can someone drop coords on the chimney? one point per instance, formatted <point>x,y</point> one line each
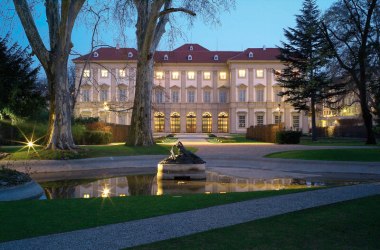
<point>117,46</point>
<point>264,47</point>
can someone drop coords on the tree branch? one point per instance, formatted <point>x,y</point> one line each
<point>171,10</point>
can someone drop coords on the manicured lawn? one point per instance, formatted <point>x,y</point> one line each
<point>348,225</point>
<point>357,154</point>
<point>87,152</point>
<point>336,141</point>
<point>22,219</point>
<point>233,138</point>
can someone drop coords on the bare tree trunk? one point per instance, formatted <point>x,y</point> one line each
<point>141,128</point>
<point>313,120</point>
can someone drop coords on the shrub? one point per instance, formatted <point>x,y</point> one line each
<point>211,135</point>
<point>98,126</point>
<point>11,134</point>
<point>78,131</point>
<point>170,135</point>
<point>288,137</point>
<point>97,137</point>
<point>85,120</point>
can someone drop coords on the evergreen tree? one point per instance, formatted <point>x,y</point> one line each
<point>20,94</point>
<point>305,56</point>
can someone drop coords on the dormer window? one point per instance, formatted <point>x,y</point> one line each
<point>189,58</point>
<point>166,57</point>
<point>130,54</point>
<point>216,58</point>
<point>250,55</point>
<point>191,48</point>
<point>96,54</point>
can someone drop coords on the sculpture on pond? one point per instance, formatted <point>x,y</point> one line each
<point>183,156</point>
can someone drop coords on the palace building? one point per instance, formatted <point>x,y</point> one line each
<point>195,90</point>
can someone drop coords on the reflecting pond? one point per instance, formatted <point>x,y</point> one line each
<point>130,185</point>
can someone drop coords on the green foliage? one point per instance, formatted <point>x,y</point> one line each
<point>97,137</point>
<point>288,137</point>
<point>211,136</point>
<point>20,91</point>
<point>10,177</point>
<point>85,120</point>
<point>11,134</point>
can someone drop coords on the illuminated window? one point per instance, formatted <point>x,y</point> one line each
<point>222,75</point>
<point>191,122</point>
<point>259,73</point>
<point>86,196</point>
<point>121,72</point>
<point>104,73</point>
<point>175,123</point>
<point>223,123</point>
<point>86,73</point>
<point>122,195</point>
<point>159,75</point>
<point>241,73</point>
<point>191,75</point>
<point>206,75</point>
<point>159,122</point>
<point>175,75</point>
<point>206,123</point>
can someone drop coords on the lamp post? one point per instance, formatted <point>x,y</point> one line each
<point>278,113</point>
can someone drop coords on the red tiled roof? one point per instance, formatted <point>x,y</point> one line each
<point>199,54</point>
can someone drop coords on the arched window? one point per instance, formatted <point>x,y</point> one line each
<point>223,122</point>
<point>191,122</point>
<point>175,123</point>
<point>159,122</point>
<point>206,122</point>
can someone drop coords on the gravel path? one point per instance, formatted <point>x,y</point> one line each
<point>144,231</point>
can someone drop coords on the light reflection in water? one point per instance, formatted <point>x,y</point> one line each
<point>151,185</point>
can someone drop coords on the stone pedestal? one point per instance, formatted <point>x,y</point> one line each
<point>179,171</point>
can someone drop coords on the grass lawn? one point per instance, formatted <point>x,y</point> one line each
<point>336,141</point>
<point>233,138</point>
<point>22,219</point>
<point>347,225</point>
<point>343,154</point>
<point>17,153</point>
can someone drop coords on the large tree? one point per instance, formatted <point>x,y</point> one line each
<point>61,16</point>
<point>152,19</point>
<point>351,28</point>
<point>304,56</point>
<point>20,95</point>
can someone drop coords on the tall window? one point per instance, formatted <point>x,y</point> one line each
<point>175,123</point>
<point>206,123</point>
<point>241,73</point>
<point>122,95</point>
<point>207,96</point>
<point>259,73</point>
<point>277,119</point>
<point>121,119</point>
<point>85,95</point>
<point>206,75</point>
<point>103,95</point>
<point>223,96</point>
<point>190,75</point>
<point>241,119</point>
<point>259,120</point>
<point>104,73</point>
<point>222,123</point>
<point>191,122</point>
<point>242,95</point>
<point>296,122</point>
<point>276,93</point>
<point>175,75</point>
<point>159,96</point>
<point>259,95</point>
<point>159,122</point>
<point>175,96</point>
<point>223,75</point>
<point>191,96</point>
<point>86,73</point>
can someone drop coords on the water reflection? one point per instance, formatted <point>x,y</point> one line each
<point>151,185</point>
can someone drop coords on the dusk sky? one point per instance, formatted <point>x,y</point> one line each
<point>253,23</point>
